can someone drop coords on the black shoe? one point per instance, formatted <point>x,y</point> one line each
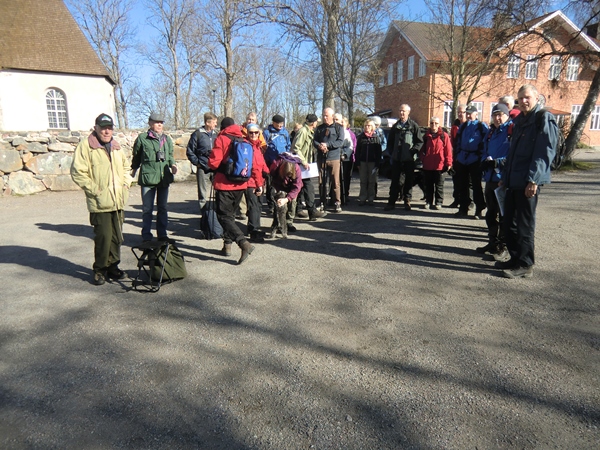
<point>99,278</point>
<point>389,207</point>
<point>316,214</point>
<point>407,206</point>
<point>114,273</point>
<point>461,213</point>
<point>454,204</point>
<point>479,215</point>
<point>489,248</point>
<point>257,237</point>
<point>291,228</point>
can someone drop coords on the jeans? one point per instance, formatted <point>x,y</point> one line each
<point>162,218</point>
<point>403,173</point>
<point>368,180</point>
<point>466,174</point>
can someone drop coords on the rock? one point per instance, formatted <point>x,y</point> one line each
<point>61,147</point>
<point>60,183</point>
<point>75,133</point>
<point>5,146</point>
<point>1,185</point>
<point>184,170</point>
<point>18,141</point>
<point>69,139</point>
<point>26,157</point>
<point>183,140</point>
<point>51,164</point>
<point>42,139</point>
<point>35,147</point>
<point>24,183</point>
<point>179,153</point>
<point>10,161</point>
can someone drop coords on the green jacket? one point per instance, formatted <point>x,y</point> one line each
<point>105,180</point>
<point>153,172</point>
<point>302,145</point>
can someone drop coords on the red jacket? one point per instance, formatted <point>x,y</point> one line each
<point>220,152</point>
<point>436,152</point>
<point>258,161</point>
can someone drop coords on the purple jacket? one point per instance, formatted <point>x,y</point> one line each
<point>289,185</point>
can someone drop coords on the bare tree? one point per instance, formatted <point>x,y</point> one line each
<point>174,57</point>
<point>107,25</point>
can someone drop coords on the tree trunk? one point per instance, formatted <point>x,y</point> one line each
<point>583,116</point>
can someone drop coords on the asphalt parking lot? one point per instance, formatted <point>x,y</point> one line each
<point>363,330</point>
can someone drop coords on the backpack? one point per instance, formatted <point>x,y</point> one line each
<point>238,165</point>
<point>561,148</point>
<point>271,153</point>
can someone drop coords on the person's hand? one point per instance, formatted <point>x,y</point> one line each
<point>306,166</point>
<point>258,191</point>
<point>173,169</point>
<point>530,190</point>
<point>282,201</point>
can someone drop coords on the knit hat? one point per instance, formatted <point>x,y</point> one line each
<point>226,122</point>
<point>278,119</point>
<point>500,107</point>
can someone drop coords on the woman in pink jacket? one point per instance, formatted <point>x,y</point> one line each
<point>436,155</point>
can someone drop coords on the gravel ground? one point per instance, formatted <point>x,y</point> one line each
<point>365,330</point>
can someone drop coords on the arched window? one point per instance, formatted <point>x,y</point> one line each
<point>56,105</point>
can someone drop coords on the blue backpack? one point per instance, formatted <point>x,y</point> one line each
<point>238,165</point>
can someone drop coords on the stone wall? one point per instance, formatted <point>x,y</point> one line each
<point>32,162</point>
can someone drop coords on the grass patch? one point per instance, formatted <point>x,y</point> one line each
<point>577,165</point>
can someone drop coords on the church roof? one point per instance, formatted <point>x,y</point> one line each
<point>42,36</point>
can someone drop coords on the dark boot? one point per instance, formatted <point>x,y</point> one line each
<point>247,249</point>
<point>226,250</point>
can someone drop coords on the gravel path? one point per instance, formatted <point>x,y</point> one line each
<point>366,330</point>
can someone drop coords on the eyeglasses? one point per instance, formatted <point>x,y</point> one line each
<point>434,123</point>
<point>462,112</point>
<point>254,132</point>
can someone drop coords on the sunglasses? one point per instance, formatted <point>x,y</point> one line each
<point>434,123</point>
<point>254,132</point>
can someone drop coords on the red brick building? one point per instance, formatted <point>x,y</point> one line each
<point>413,73</point>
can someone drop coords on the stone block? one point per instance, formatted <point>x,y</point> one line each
<point>26,157</point>
<point>58,163</point>
<point>61,147</point>
<point>184,170</point>
<point>60,183</point>
<point>69,139</point>
<point>24,183</point>
<point>18,141</point>
<point>38,139</point>
<point>179,153</point>
<point>10,161</point>
<point>5,146</point>
<point>183,140</point>
<point>35,147</point>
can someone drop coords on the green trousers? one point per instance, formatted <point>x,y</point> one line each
<point>108,237</point>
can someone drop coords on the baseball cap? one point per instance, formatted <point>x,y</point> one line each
<point>278,118</point>
<point>104,120</point>
<point>500,107</point>
<point>471,109</point>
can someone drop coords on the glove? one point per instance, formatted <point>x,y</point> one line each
<point>451,171</point>
<point>488,164</point>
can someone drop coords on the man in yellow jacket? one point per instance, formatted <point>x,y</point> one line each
<point>101,168</point>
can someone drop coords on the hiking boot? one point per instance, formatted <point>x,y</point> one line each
<point>519,272</point>
<point>505,265</point>
<point>479,215</point>
<point>436,207</point>
<point>389,207</point>
<point>99,278</point>
<point>302,214</point>
<point>454,204</point>
<point>247,249</point>
<point>461,213</point>
<point>426,206</point>
<point>226,250</point>
<point>489,248</point>
<point>114,273</point>
<point>501,255</point>
<point>257,237</point>
<point>291,228</point>
<point>407,206</point>
<point>338,207</point>
<point>316,215</point>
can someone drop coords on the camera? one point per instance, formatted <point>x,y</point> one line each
<point>160,155</point>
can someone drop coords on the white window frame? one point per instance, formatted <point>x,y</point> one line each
<point>382,81</point>
<point>411,68</point>
<point>573,64</point>
<point>575,110</point>
<point>555,68</point>
<point>595,122</point>
<point>513,65</point>
<point>56,109</point>
<point>400,73</point>
<point>479,106</point>
<point>448,119</point>
<point>531,67</point>
<point>422,67</point>
<point>390,74</point>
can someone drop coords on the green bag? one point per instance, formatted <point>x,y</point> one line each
<point>174,265</point>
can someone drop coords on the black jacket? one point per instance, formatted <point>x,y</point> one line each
<point>333,136</point>
<point>405,141</point>
<point>199,148</point>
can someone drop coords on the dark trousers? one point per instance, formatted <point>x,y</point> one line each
<point>307,194</point>
<point>434,186</point>
<point>346,168</point>
<point>466,174</point>
<point>493,218</point>
<point>108,237</point>
<point>254,210</point>
<point>227,203</point>
<point>403,173</point>
<point>519,226</point>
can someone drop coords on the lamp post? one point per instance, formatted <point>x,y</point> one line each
<point>213,88</point>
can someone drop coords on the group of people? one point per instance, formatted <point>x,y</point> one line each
<point>512,156</point>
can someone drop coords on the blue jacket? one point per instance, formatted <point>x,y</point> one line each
<point>532,149</point>
<point>278,142</point>
<point>470,138</point>
<point>496,145</point>
<point>199,147</point>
